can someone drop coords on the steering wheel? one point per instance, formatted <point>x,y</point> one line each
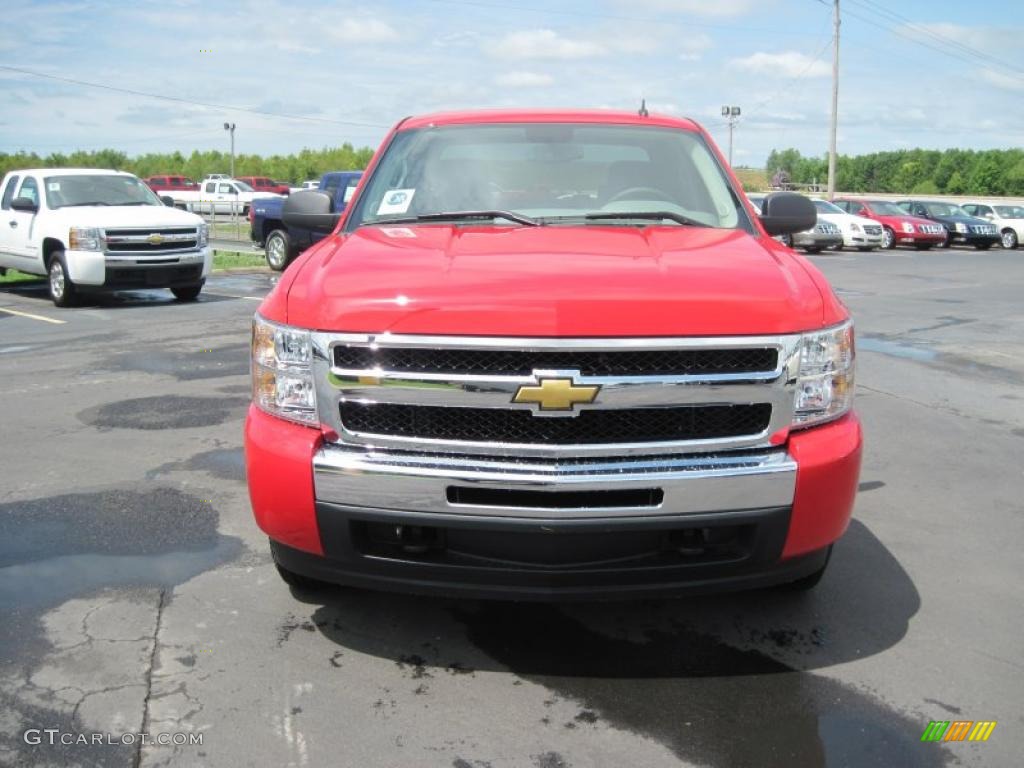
<point>639,193</point>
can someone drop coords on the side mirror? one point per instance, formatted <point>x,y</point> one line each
<point>784,213</point>
<point>25,204</point>
<point>167,200</point>
<point>310,210</point>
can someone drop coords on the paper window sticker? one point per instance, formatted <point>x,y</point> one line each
<point>349,192</point>
<point>395,201</point>
<point>53,186</point>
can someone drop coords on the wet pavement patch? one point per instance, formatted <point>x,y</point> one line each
<point>870,485</point>
<point>706,701</point>
<point>163,412</point>
<point>200,362</point>
<point>222,463</point>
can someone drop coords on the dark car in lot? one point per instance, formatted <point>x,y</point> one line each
<point>899,227</point>
<point>961,227</point>
<point>284,243</point>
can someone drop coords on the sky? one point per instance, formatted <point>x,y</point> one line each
<point>913,73</point>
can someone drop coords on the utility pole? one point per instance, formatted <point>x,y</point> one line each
<point>835,102</point>
<point>230,127</point>
<point>731,115</point>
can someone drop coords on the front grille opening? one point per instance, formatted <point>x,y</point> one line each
<point>507,497</point>
<point>513,362</point>
<point>590,427</point>
<point>586,550</point>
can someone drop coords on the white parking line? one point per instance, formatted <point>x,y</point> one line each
<point>33,317</point>
<point>231,296</point>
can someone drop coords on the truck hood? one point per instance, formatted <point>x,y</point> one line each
<point>554,281</point>
<point>118,216</point>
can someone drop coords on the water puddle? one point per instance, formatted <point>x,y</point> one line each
<point>896,349</point>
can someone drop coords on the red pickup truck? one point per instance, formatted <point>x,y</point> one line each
<point>552,354</point>
<point>266,184</point>
<point>170,183</point>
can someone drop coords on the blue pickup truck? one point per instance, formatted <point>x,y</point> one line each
<point>284,243</point>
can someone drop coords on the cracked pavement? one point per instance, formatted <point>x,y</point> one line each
<point>138,595</point>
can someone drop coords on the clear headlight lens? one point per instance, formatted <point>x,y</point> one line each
<point>908,227</point>
<point>282,375</point>
<point>204,235</point>
<point>961,227</point>
<point>85,239</point>
<point>825,375</point>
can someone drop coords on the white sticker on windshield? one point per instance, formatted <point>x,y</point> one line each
<point>395,201</point>
<point>53,186</point>
<point>351,190</point>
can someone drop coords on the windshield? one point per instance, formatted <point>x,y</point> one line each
<point>885,208</point>
<point>945,209</point>
<point>1010,211</point>
<point>824,206</point>
<point>243,187</point>
<point>549,172</point>
<point>98,189</point>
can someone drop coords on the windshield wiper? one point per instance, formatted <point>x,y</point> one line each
<point>79,205</point>
<point>678,218</point>
<point>518,218</point>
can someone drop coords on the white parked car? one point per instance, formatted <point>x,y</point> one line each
<point>858,232</point>
<point>217,196</point>
<point>96,230</point>
<point>306,185</point>
<point>1009,220</point>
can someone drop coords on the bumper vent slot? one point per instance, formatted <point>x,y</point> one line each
<point>504,497</point>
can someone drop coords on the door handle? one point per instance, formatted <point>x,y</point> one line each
<point>13,223</point>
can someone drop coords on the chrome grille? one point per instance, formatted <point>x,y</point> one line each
<point>827,228</point>
<point>151,240</point>
<point>982,229</point>
<point>872,229</point>
<point>931,229</point>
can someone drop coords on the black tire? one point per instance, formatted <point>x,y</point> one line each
<point>300,582</point>
<point>1009,239</point>
<point>787,240</point>
<point>923,246</point>
<point>866,248</point>
<point>947,242</point>
<point>888,239</point>
<point>809,582</point>
<point>62,290</point>
<point>278,248</point>
<point>983,246</point>
<point>187,292</point>
<point>813,249</point>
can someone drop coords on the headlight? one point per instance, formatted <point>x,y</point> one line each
<point>854,226</point>
<point>961,227</point>
<point>908,227</point>
<point>282,375</point>
<point>825,375</point>
<point>204,235</point>
<point>85,239</point>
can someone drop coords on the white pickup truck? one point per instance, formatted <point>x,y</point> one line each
<point>217,196</point>
<point>98,230</point>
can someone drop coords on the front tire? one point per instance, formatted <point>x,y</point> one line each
<point>982,246</point>
<point>62,290</point>
<point>187,292</point>
<point>1009,239</point>
<point>278,248</point>
<point>888,239</point>
<point>924,246</point>
<point>813,249</point>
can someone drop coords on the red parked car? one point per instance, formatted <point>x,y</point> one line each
<point>549,354</point>
<point>899,227</point>
<point>170,183</point>
<point>266,184</point>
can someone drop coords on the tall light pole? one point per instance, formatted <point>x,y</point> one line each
<point>731,115</point>
<point>835,102</point>
<point>230,128</point>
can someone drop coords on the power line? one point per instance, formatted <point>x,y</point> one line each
<point>178,100</point>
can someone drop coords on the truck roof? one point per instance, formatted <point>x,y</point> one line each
<point>73,171</point>
<point>607,116</point>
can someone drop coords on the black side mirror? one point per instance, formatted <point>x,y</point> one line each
<point>25,204</point>
<point>310,210</point>
<point>167,200</point>
<point>784,213</point>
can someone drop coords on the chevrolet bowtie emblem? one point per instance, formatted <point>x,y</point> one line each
<point>155,239</point>
<point>556,394</point>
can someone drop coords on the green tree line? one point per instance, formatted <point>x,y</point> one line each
<point>917,171</point>
<point>294,168</point>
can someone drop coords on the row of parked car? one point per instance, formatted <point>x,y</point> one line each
<point>867,223</point>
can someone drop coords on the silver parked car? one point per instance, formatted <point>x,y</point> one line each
<point>824,235</point>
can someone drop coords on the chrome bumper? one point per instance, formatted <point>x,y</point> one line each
<point>357,476</point>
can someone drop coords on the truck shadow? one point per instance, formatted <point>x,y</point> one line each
<point>720,680</point>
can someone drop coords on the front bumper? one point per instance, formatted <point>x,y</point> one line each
<point>105,271</point>
<point>971,238</point>
<point>816,240</point>
<point>551,529</point>
<point>862,240</point>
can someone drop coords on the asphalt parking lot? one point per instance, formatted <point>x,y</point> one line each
<point>138,595</point>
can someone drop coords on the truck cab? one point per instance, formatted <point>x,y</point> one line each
<point>282,242</point>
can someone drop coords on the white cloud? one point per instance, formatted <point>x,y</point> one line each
<point>785,64</point>
<point>718,8</point>
<point>363,31</point>
<point>523,80</point>
<point>1002,80</point>
<point>543,44</point>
